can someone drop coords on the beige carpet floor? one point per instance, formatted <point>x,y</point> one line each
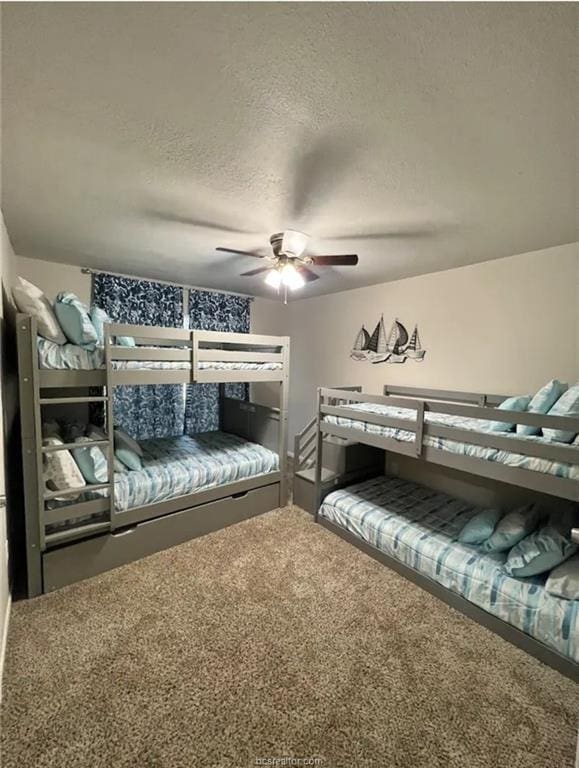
<point>272,638</point>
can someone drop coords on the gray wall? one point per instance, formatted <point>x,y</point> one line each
<point>505,326</point>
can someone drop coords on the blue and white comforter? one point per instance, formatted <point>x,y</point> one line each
<point>419,527</point>
<point>175,466</point>
<point>546,466</point>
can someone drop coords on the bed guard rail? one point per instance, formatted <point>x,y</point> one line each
<point>304,441</point>
<point>261,357</point>
<point>192,355</point>
<point>420,426</point>
<point>349,422</point>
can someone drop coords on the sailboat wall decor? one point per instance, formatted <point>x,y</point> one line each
<point>396,348</point>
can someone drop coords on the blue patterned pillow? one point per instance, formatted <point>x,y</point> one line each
<point>566,405</point>
<point>99,317</point>
<point>519,403</point>
<point>480,527</point>
<point>75,321</point>
<point>512,528</point>
<point>539,552</point>
<point>545,398</point>
<point>91,461</point>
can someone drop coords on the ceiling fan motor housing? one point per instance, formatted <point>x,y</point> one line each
<point>276,241</point>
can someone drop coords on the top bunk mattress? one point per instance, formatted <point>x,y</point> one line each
<point>419,527</point>
<point>501,456</point>
<point>70,357</point>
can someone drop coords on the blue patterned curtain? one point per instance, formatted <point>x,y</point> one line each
<point>150,410</point>
<point>210,311</point>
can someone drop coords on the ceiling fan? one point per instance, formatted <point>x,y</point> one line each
<point>288,266</point>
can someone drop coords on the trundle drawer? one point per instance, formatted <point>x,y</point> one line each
<point>90,557</point>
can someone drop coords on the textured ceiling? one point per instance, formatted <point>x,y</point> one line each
<point>444,132</point>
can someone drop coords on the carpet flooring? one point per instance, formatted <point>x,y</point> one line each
<point>270,639</point>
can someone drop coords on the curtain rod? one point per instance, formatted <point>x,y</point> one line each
<point>90,271</point>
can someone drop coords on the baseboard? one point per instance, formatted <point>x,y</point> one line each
<point>4,641</point>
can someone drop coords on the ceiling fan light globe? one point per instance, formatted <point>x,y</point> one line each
<point>291,278</point>
<point>274,279</point>
<point>293,242</point>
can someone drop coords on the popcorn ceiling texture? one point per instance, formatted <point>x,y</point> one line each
<point>271,638</point>
<point>445,131</point>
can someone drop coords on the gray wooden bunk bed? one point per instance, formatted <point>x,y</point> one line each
<point>67,543</point>
<point>422,436</point>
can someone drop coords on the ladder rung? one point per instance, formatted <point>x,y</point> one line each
<point>70,491</point>
<point>73,511</point>
<point>71,446</point>
<point>78,532</point>
<point>64,400</point>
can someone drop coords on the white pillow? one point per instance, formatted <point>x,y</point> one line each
<point>61,470</point>
<point>30,300</point>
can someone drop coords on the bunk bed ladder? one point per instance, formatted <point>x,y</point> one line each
<point>84,507</point>
<point>38,510</point>
<point>305,447</point>
<point>305,441</point>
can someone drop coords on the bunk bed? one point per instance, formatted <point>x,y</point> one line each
<point>187,485</point>
<point>413,529</point>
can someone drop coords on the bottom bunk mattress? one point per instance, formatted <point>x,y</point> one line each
<point>419,527</point>
<point>176,466</point>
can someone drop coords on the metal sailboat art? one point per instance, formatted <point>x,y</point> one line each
<point>360,345</point>
<point>414,349</point>
<point>396,348</point>
<point>397,341</point>
<point>370,347</point>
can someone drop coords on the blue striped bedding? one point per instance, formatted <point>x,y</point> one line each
<point>512,459</point>
<point>62,357</point>
<point>419,527</point>
<point>175,466</point>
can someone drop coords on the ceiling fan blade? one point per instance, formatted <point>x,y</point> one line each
<point>319,165</point>
<point>240,253</point>
<point>307,274</point>
<point>345,260</point>
<point>169,217</point>
<point>417,231</point>
<point>253,272</point>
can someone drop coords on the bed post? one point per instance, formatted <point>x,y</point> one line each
<point>220,404</point>
<point>319,451</point>
<point>31,432</point>
<point>109,403</point>
<point>194,355</point>
<point>283,408</point>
